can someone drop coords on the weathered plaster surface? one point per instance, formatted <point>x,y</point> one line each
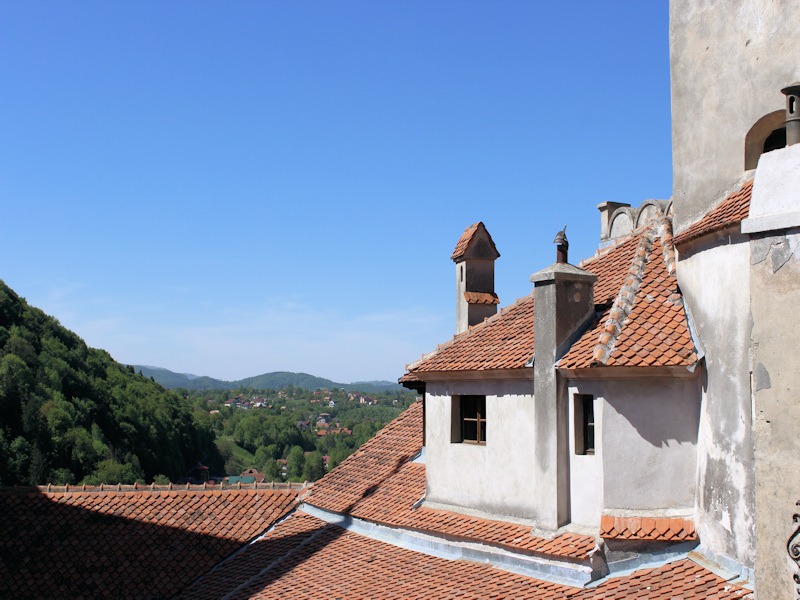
<point>496,478</point>
<point>586,471</point>
<point>713,276</point>
<point>650,461</point>
<point>775,203</point>
<point>728,61</point>
<point>775,289</point>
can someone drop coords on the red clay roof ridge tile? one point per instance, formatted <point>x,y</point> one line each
<point>623,304</point>
<point>463,242</point>
<point>116,489</point>
<point>673,529</point>
<point>732,210</point>
<point>667,243</point>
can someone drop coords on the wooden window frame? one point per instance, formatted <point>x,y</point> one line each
<point>468,409</point>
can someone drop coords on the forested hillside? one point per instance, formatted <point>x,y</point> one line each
<point>71,414</point>
<point>274,380</point>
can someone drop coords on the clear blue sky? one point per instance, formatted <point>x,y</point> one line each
<point>233,188</point>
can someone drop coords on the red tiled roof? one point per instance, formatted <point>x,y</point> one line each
<point>654,333</point>
<point>466,238</point>
<point>125,544</point>
<point>304,557</point>
<point>734,209</point>
<point>378,484</point>
<point>679,579</point>
<point>675,529</point>
<point>504,341</point>
<point>481,298</point>
<point>326,561</point>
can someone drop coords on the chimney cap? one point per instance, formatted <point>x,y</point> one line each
<point>792,89</point>
<point>561,237</point>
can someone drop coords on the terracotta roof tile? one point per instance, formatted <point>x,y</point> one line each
<point>732,210</point>
<point>481,298</point>
<point>125,544</point>
<point>304,557</point>
<point>504,341</point>
<point>466,238</point>
<point>648,328</point>
<point>656,529</point>
<point>378,484</point>
<point>653,305</point>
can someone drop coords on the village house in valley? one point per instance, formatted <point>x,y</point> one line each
<point>629,429</point>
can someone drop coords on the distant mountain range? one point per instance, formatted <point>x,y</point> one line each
<point>276,380</point>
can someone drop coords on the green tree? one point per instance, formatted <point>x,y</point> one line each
<point>272,471</point>
<point>314,467</point>
<point>295,462</point>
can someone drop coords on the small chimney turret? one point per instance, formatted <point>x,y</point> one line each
<point>792,93</point>
<point>474,256</point>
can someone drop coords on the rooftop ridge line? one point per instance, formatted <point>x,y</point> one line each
<point>623,304</point>
<point>50,489</point>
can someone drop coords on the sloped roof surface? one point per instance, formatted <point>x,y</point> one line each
<point>378,484</point>
<point>654,332</point>
<point>466,239</point>
<point>325,561</point>
<point>125,544</point>
<point>504,341</point>
<point>304,557</point>
<point>734,209</point>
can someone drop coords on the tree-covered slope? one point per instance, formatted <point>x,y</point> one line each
<point>71,414</point>
<point>275,380</point>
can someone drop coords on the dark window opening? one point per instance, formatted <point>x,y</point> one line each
<point>469,423</point>
<point>584,424</point>
<point>775,140</point>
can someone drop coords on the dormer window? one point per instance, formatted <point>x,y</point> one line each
<point>469,419</point>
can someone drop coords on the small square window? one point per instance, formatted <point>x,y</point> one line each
<point>469,419</point>
<point>584,423</point>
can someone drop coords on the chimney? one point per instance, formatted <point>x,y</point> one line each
<point>562,247</point>
<point>606,210</point>
<point>792,93</point>
<point>474,256</point>
<point>563,309</point>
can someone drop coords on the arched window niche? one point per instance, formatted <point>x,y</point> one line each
<point>768,133</point>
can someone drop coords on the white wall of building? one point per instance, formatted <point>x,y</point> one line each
<point>495,478</point>
<point>645,457</point>
<point>713,274</point>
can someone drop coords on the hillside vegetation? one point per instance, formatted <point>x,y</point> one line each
<point>71,414</point>
<point>274,380</point>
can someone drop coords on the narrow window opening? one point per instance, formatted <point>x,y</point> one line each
<point>792,104</point>
<point>469,419</point>
<point>584,424</point>
<point>462,273</point>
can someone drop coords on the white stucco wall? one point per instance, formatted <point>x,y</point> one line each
<point>650,443</point>
<point>645,448</point>
<point>586,471</point>
<point>713,274</point>
<point>495,478</point>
